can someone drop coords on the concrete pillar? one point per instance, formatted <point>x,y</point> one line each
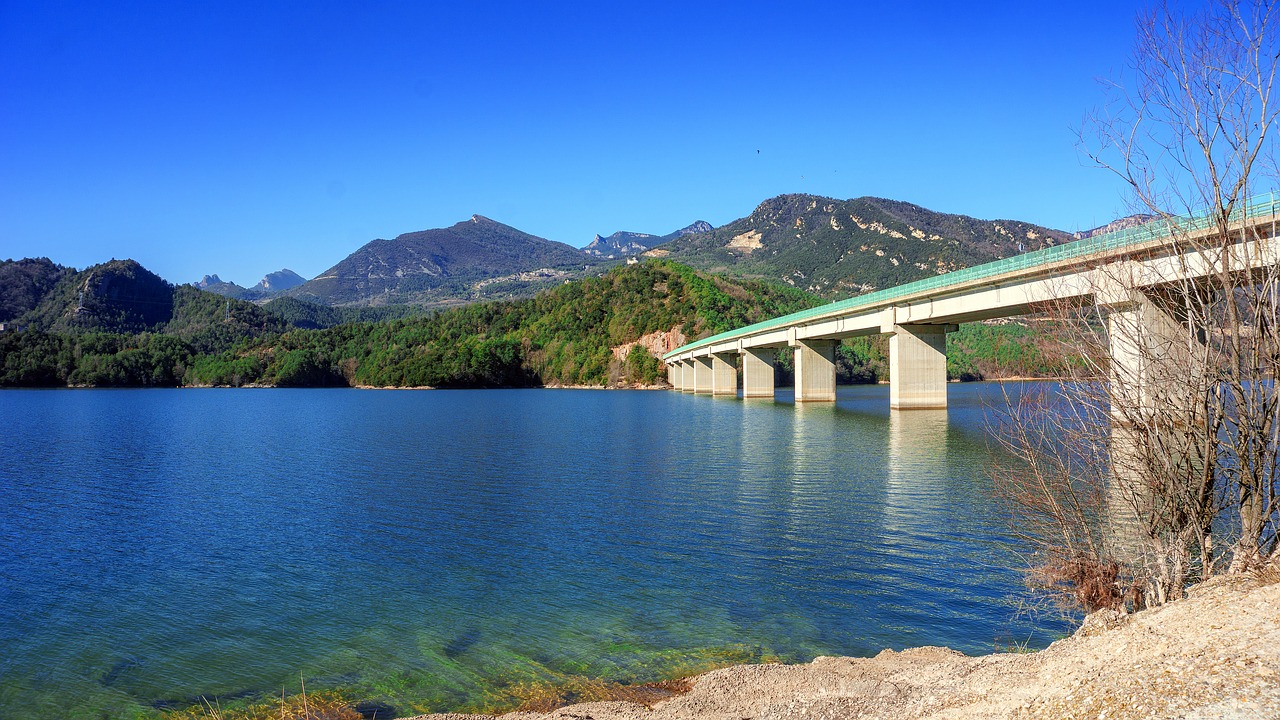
<point>1128,371</point>
<point>702,375</point>
<point>757,372</point>
<point>1154,361</point>
<point>686,376</point>
<point>1157,392</point>
<point>918,367</point>
<point>724,374</point>
<point>815,366</point>
<point>674,372</point>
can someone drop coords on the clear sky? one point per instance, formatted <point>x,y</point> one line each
<point>238,138</point>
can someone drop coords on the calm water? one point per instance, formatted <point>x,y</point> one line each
<point>432,550</point>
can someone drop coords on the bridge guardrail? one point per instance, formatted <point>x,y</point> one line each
<point>1260,206</point>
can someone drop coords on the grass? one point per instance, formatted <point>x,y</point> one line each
<point>319,706</point>
<point>1015,646</point>
<point>1268,574</point>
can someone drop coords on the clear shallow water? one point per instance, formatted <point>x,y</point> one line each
<point>433,550</point>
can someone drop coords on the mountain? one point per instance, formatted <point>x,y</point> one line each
<point>624,244</point>
<point>121,296</point>
<point>115,296</point>
<point>268,287</point>
<point>215,284</point>
<point>1123,223</point>
<point>24,283</point>
<point>697,227</point>
<point>278,282</point>
<point>471,260</point>
<point>837,248</point>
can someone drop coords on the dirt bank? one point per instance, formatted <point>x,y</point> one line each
<point>1215,654</point>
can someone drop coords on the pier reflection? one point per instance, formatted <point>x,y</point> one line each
<point>757,456</point>
<point>816,437</point>
<point>916,475</point>
<point>813,435</point>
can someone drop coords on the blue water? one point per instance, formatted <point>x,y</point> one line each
<point>433,550</point>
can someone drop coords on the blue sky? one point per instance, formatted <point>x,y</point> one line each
<point>240,138</point>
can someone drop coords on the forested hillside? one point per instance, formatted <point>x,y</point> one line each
<point>310,316</point>
<point>565,335</point>
<point>24,283</point>
<point>118,325</point>
<point>122,297</point>
<point>562,336</point>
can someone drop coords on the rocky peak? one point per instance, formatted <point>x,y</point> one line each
<point>697,227</point>
<point>788,207</point>
<point>279,281</point>
<point>1123,223</point>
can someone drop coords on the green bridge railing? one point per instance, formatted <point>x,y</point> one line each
<point>1260,206</point>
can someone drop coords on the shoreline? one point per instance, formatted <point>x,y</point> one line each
<point>1213,654</point>
<point>552,386</point>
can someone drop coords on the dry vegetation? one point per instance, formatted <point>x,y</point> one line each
<point>1158,464</point>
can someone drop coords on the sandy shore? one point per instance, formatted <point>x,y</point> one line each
<point>1215,654</point>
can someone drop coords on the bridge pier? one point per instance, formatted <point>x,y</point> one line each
<point>918,366</point>
<point>724,373</point>
<point>1157,393</point>
<point>675,373</point>
<point>686,376</point>
<point>815,366</point>
<point>1154,358</point>
<point>757,372</point>
<point>702,375</point>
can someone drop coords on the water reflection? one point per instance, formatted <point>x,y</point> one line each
<point>917,473</point>
<point>1123,494</point>
<point>757,459</point>
<point>816,439</point>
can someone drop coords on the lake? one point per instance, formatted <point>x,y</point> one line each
<point>433,550</point>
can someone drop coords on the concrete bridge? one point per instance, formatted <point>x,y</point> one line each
<point>1122,272</point>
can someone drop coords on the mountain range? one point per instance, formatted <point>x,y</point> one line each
<point>272,285</point>
<point>831,248</point>
<point>623,244</point>
<point>837,248</point>
<point>118,324</point>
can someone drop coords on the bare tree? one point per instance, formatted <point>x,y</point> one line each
<point>1180,344</point>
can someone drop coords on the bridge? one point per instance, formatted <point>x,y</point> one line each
<point>1122,272</point>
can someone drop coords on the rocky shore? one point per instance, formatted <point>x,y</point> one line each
<point>1215,654</point>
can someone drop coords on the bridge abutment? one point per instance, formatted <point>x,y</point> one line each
<point>918,366</point>
<point>757,372</point>
<point>724,373</point>
<point>815,366</point>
